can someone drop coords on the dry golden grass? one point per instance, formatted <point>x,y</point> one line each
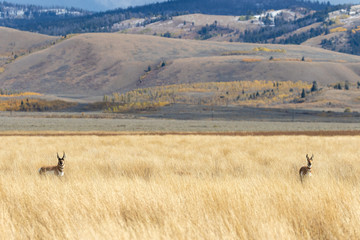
<point>234,53</point>
<point>265,49</point>
<point>338,29</point>
<point>180,187</point>
<point>251,60</point>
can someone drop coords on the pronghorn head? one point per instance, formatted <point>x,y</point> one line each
<point>61,161</point>
<point>309,160</point>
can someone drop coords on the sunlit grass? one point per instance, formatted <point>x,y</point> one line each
<point>180,187</point>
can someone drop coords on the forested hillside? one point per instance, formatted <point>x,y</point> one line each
<point>257,21</point>
<point>36,19</point>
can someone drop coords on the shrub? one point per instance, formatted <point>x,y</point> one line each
<point>167,35</point>
<point>303,93</point>
<point>338,86</point>
<point>314,87</point>
<point>347,110</point>
<point>347,87</point>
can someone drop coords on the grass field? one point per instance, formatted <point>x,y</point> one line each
<point>180,187</point>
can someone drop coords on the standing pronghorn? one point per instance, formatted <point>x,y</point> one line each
<point>306,170</point>
<point>57,170</point>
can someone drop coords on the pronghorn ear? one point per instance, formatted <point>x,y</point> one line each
<point>57,154</point>
<point>63,155</point>
<point>307,157</point>
<point>312,156</point>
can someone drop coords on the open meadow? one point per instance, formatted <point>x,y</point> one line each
<point>180,187</point>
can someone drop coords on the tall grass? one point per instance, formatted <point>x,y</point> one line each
<point>180,187</point>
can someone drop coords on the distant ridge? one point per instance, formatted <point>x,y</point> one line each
<point>78,21</point>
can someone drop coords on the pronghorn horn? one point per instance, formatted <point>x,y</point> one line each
<point>307,156</point>
<point>57,154</point>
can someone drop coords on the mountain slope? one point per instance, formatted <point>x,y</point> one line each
<point>91,65</point>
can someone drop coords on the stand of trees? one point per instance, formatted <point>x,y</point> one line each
<point>354,43</point>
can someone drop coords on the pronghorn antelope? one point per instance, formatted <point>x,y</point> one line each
<point>57,170</point>
<point>306,170</point>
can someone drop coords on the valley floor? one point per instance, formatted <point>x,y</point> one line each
<point>28,123</point>
<point>180,118</point>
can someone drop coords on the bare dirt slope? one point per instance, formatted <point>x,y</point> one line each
<point>91,65</point>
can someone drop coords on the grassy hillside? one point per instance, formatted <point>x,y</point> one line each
<point>192,187</point>
<point>91,65</point>
<point>14,43</point>
<point>230,68</point>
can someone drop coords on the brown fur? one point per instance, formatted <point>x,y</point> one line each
<point>58,170</point>
<point>306,170</point>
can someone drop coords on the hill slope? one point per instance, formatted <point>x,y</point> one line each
<point>14,42</point>
<point>95,64</point>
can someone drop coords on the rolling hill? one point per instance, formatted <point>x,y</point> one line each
<point>13,40</point>
<point>14,43</point>
<point>88,66</point>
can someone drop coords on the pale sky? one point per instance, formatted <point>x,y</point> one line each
<point>101,5</point>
